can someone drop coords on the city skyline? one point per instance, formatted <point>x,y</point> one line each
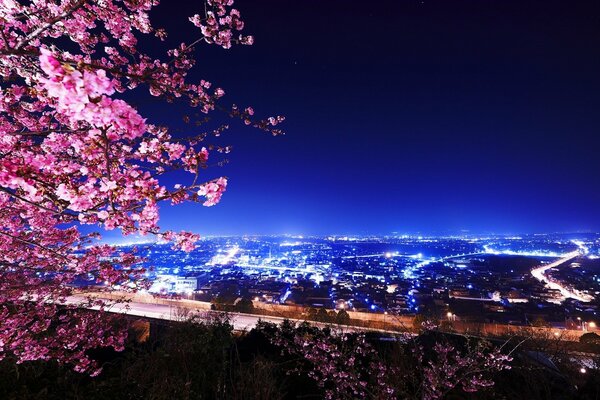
<point>119,240</point>
<point>389,274</point>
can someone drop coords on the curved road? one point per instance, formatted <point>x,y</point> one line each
<point>538,273</point>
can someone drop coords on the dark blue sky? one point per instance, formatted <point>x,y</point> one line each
<point>406,116</point>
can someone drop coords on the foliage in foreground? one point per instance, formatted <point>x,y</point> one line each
<point>199,359</point>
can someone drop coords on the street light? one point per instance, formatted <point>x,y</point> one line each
<point>592,325</point>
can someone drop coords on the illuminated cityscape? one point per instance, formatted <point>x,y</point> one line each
<point>284,200</point>
<point>508,280</point>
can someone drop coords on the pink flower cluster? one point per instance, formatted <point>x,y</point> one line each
<point>213,191</point>
<point>73,153</point>
<point>82,97</point>
<point>219,24</point>
<point>452,368</point>
<point>185,241</point>
<point>341,364</point>
<point>346,365</point>
<point>267,125</point>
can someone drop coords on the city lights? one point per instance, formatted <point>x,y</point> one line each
<point>408,276</point>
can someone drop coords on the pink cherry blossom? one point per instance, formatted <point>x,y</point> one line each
<point>74,152</point>
<point>213,191</point>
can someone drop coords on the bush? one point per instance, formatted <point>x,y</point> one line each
<point>590,338</point>
<point>204,359</point>
<point>343,318</point>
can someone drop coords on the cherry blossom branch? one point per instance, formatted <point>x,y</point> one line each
<point>49,24</point>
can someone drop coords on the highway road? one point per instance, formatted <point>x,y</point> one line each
<point>172,311</point>
<point>538,273</point>
<point>240,322</point>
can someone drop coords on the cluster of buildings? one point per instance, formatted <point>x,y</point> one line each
<point>482,279</point>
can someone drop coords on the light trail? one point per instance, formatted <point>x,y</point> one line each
<point>480,253</point>
<point>535,253</point>
<point>276,268</point>
<point>224,259</point>
<point>538,273</point>
<point>379,255</point>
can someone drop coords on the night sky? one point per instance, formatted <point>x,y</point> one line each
<point>403,116</point>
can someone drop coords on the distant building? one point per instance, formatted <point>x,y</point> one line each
<point>174,284</point>
<point>186,284</point>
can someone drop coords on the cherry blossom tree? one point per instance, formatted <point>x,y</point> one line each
<point>73,152</point>
<point>451,368</point>
<point>347,366</point>
<point>344,365</point>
